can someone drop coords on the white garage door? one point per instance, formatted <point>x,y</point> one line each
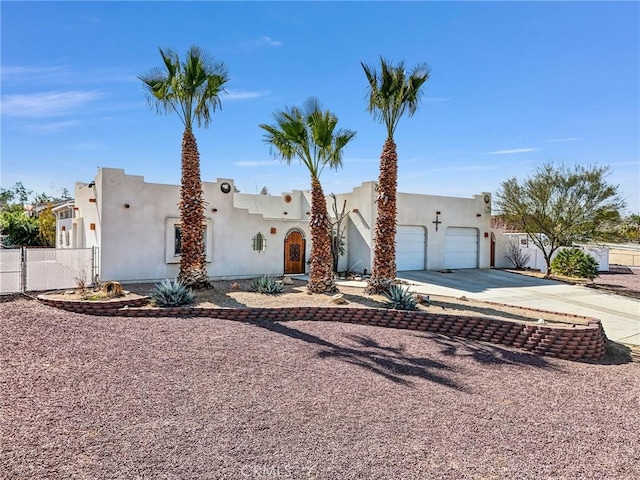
<point>410,248</point>
<point>461,248</point>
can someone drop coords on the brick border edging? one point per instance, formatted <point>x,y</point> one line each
<point>581,342</point>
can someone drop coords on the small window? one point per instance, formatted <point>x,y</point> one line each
<point>259,242</point>
<point>177,243</point>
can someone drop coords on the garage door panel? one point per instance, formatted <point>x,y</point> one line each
<point>461,248</point>
<point>410,248</point>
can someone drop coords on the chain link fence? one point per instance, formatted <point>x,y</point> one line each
<point>38,269</point>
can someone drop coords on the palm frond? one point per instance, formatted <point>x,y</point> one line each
<point>191,88</point>
<point>392,92</point>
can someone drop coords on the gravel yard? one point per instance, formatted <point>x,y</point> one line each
<point>88,397</point>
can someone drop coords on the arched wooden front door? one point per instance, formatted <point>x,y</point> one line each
<point>294,252</point>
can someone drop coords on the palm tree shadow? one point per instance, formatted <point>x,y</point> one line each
<point>484,310</point>
<point>389,362</point>
<point>486,353</point>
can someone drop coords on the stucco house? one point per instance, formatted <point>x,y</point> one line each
<point>136,227</point>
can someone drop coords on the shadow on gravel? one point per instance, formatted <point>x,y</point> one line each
<point>487,354</point>
<point>482,310</point>
<point>388,362</point>
<point>617,354</point>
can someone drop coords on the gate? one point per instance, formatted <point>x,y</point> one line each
<point>37,269</point>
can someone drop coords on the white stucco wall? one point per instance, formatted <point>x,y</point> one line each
<point>416,210</point>
<point>134,241</point>
<point>132,223</point>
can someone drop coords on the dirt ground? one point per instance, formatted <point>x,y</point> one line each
<point>89,397</point>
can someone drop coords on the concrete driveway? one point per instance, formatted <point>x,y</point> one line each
<point>620,316</point>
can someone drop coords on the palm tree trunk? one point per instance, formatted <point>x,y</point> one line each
<point>193,267</point>
<point>383,272</point>
<point>321,278</point>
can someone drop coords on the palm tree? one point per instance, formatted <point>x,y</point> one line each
<point>392,92</point>
<point>192,89</point>
<point>310,134</point>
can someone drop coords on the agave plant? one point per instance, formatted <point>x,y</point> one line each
<point>172,293</point>
<point>266,284</point>
<point>400,298</point>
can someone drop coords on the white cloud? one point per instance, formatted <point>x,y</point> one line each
<point>22,74</point>
<point>51,127</point>
<point>46,104</point>
<point>244,95</point>
<point>270,42</point>
<point>515,150</point>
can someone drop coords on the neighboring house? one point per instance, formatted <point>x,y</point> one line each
<point>136,226</point>
<point>64,213</point>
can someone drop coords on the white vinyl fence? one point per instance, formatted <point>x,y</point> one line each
<point>537,261</point>
<point>38,269</point>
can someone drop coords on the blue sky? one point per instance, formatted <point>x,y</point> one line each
<point>513,85</point>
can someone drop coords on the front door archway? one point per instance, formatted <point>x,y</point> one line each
<point>294,248</point>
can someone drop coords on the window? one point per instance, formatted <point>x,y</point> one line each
<point>259,242</point>
<point>177,239</point>
<point>173,240</point>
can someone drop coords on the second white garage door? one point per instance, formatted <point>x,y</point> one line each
<point>410,248</point>
<point>461,248</point>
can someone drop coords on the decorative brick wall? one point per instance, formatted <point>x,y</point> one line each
<point>580,342</point>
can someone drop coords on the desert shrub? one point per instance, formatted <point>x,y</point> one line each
<point>267,285</point>
<point>515,255</point>
<point>573,262</point>
<point>400,298</point>
<point>172,293</point>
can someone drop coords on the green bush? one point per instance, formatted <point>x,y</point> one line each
<point>573,262</point>
<point>400,298</point>
<point>266,284</point>
<point>172,294</point>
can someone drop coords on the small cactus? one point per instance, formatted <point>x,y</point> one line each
<point>267,285</point>
<point>172,293</point>
<point>400,298</point>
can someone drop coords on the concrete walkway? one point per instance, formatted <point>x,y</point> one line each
<point>620,315</point>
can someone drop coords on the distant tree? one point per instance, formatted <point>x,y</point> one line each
<point>310,134</point>
<point>557,206</point>
<point>630,228</point>
<point>192,90</point>
<point>393,92</point>
<point>47,227</point>
<point>264,191</point>
<point>19,229</point>
<point>14,198</point>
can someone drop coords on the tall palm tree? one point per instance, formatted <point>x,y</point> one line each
<point>192,89</point>
<point>392,93</point>
<point>309,134</point>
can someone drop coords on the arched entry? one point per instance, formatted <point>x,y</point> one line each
<point>493,250</point>
<point>294,248</point>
